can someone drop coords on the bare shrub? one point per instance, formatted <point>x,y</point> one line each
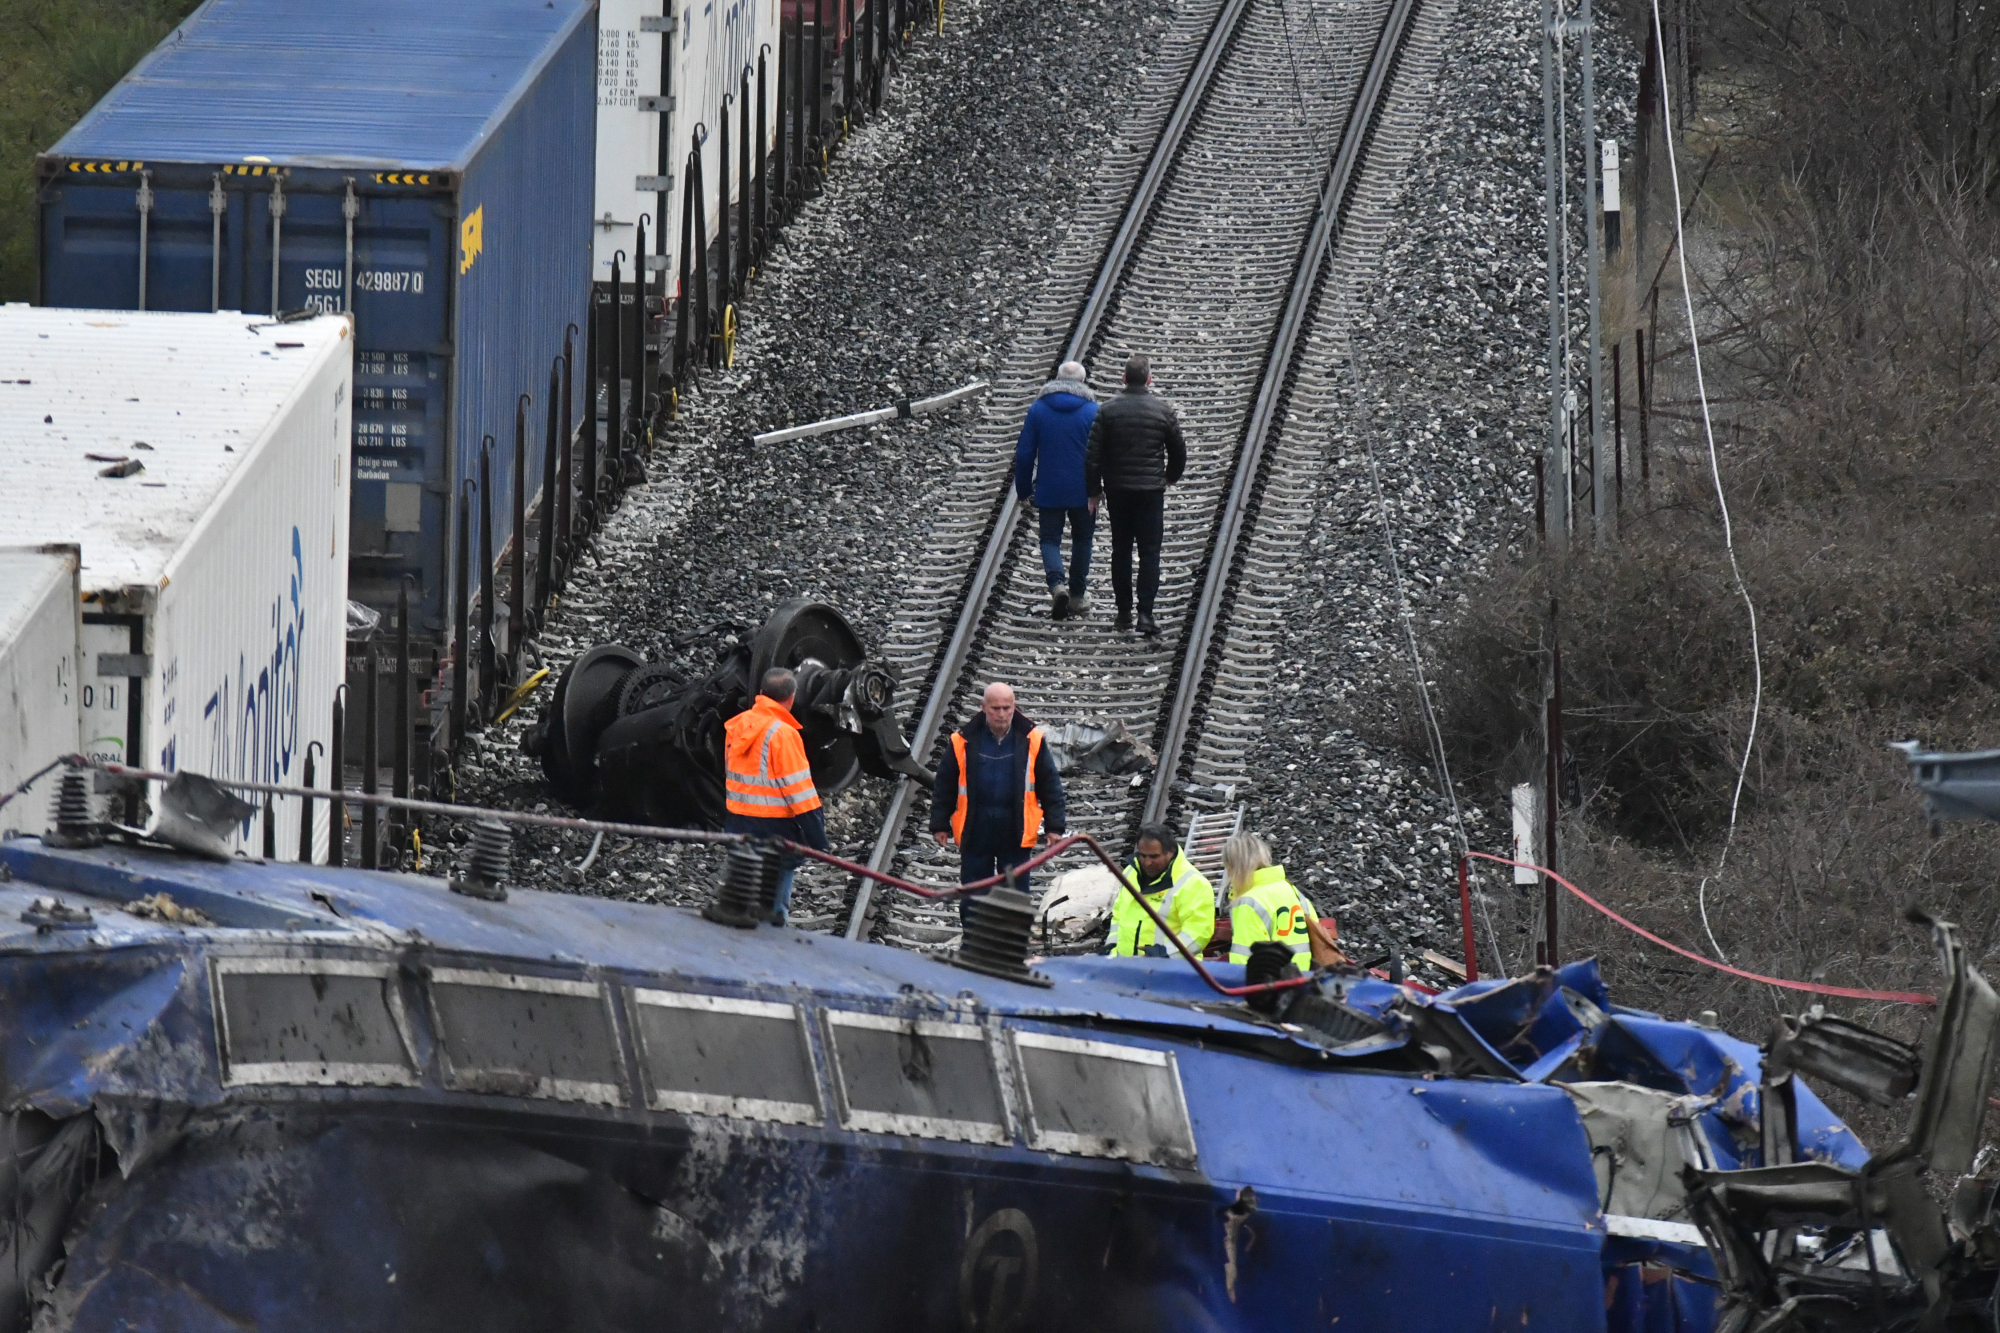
<point>1849,280</point>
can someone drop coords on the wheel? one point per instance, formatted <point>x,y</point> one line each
<point>799,630</point>
<point>797,633</point>
<point>835,760</point>
<point>646,687</point>
<point>584,705</point>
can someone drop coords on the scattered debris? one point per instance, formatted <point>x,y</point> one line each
<point>1454,970</point>
<point>1098,746</point>
<point>47,914</point>
<point>198,816</point>
<point>1076,910</point>
<point>161,907</point>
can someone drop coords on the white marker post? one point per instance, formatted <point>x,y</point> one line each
<point>906,408</point>
<point>1611,206</point>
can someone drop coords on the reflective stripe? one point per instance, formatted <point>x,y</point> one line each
<point>760,793</point>
<point>1031,805</point>
<point>1295,940</point>
<point>964,801</point>
<point>1144,926</point>
<point>752,798</point>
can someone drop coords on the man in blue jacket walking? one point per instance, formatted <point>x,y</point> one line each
<point>1048,463</point>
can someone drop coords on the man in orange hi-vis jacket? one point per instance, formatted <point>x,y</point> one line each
<point>770,786</point>
<point>1009,797</point>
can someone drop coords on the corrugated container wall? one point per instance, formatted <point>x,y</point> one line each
<point>428,167</point>
<point>646,123</point>
<point>39,627</point>
<point>214,575</point>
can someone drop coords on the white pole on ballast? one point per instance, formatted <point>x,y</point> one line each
<point>905,408</point>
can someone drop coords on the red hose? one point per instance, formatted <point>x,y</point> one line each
<point>1848,992</point>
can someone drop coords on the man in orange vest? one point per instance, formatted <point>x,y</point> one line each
<point>770,786</point>
<point>997,793</point>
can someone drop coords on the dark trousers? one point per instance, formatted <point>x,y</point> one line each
<point>984,865</point>
<point>1137,518</point>
<point>1082,527</point>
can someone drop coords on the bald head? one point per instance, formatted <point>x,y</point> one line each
<point>998,705</point>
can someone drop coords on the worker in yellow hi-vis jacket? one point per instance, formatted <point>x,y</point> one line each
<point>1172,887</point>
<point>1263,905</point>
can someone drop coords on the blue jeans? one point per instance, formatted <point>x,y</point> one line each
<point>1082,526</point>
<point>985,865</point>
<point>784,900</point>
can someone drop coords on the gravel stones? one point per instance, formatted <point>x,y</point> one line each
<point>907,276</point>
<point>911,274</point>
<point>1447,390</point>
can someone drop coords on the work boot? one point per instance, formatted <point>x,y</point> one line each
<point>1060,595</point>
<point>1079,604</point>
<point>1148,626</point>
<point>1124,617</point>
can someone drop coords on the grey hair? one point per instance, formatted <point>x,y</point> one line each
<point>778,684</point>
<point>1072,370</point>
<point>1243,856</point>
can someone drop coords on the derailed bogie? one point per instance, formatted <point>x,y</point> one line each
<point>584,704</point>
<point>642,742</point>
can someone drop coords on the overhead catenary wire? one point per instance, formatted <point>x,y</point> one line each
<point>1721,497</point>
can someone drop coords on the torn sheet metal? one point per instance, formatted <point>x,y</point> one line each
<point>1098,745</point>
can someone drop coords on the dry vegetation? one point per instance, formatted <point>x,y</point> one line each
<point>1848,268</point>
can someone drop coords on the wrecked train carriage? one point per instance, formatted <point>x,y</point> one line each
<point>301,1097</point>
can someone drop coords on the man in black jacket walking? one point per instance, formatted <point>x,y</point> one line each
<point>1135,453</point>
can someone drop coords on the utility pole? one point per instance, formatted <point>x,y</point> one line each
<point>1552,795</point>
<point>1557,467</point>
<point>1601,507</point>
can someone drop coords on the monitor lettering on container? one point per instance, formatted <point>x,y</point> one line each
<point>252,714</point>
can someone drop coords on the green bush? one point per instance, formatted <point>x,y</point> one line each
<point>57,58</point>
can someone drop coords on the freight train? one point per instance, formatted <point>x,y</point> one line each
<point>511,198</point>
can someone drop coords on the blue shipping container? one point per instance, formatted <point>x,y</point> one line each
<point>429,167</point>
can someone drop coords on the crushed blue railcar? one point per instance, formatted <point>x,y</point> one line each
<point>309,1098</point>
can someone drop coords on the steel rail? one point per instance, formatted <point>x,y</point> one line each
<point>1090,318</point>
<point>1225,547</point>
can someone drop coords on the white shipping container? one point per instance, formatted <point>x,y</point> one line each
<point>704,48</point>
<point>214,571</point>
<point>39,626</point>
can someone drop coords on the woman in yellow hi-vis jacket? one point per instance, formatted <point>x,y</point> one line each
<point>1263,905</point>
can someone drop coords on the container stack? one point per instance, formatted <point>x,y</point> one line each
<point>174,495</point>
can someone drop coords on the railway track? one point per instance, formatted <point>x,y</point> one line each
<point>1220,266</point>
